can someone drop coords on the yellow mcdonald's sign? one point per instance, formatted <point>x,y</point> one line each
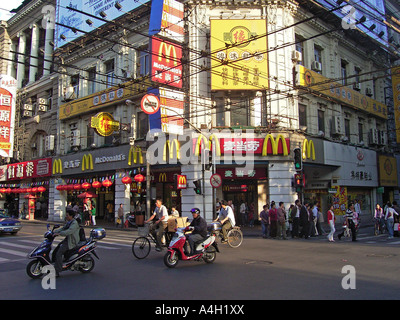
<point>162,177</point>
<point>87,162</point>
<point>170,146</point>
<point>308,149</point>
<point>135,154</point>
<point>57,166</point>
<point>212,139</point>
<point>165,52</point>
<point>275,144</point>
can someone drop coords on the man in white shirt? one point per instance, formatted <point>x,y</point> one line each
<point>160,215</point>
<point>227,219</point>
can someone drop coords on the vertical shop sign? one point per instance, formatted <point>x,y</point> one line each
<point>8,88</point>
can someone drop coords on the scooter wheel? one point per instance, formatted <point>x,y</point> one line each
<point>88,264</point>
<point>34,269</point>
<point>171,260</point>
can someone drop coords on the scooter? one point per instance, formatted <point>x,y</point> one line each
<point>205,250</point>
<point>76,259</point>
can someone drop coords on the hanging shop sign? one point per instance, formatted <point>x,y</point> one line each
<point>104,124</point>
<point>242,173</point>
<point>29,169</point>
<point>181,181</point>
<point>8,91</point>
<point>166,62</point>
<point>322,85</point>
<point>239,54</point>
<point>387,171</point>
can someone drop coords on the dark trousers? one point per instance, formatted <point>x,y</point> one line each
<point>59,255</point>
<point>305,230</point>
<point>295,227</point>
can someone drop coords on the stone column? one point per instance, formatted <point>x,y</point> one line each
<point>33,68</point>
<point>48,51</point>
<point>21,58</point>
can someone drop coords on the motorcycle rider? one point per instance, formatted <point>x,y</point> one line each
<point>199,227</point>
<point>72,237</point>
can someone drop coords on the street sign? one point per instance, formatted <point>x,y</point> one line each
<point>216,180</point>
<point>150,103</point>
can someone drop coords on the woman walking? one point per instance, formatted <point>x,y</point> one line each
<point>331,221</point>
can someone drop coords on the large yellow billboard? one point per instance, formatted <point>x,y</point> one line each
<point>238,54</point>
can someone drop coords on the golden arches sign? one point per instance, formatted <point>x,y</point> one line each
<point>308,149</point>
<point>207,142</point>
<point>57,166</point>
<point>275,144</point>
<point>169,145</point>
<point>87,162</point>
<point>135,154</point>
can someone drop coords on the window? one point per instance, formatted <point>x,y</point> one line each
<point>343,72</point>
<point>92,80</point>
<point>317,63</point>
<point>75,84</point>
<point>300,48</point>
<point>360,132</point>
<point>240,112</point>
<point>142,125</point>
<point>347,128</point>
<point>302,115</point>
<point>357,72</point>
<point>144,63</point>
<point>110,73</point>
<point>321,121</point>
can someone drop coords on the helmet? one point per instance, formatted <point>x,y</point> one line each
<point>195,210</point>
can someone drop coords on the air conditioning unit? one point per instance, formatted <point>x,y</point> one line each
<point>316,66</point>
<point>27,113</point>
<point>373,136</point>
<point>357,86</point>
<point>28,106</point>
<point>75,138</point>
<point>42,108</point>
<point>49,143</point>
<point>296,55</point>
<point>368,92</point>
<point>69,93</point>
<point>42,102</point>
<point>337,125</point>
<point>382,138</point>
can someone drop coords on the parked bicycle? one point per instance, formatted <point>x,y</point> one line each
<point>234,236</point>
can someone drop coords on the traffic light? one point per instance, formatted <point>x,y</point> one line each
<point>298,161</point>
<point>298,182</point>
<point>197,188</point>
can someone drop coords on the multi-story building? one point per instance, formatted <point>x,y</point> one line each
<point>27,51</point>
<point>249,81</point>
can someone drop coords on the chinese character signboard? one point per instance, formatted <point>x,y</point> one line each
<point>340,200</point>
<point>29,169</point>
<point>238,54</point>
<point>166,64</point>
<point>8,88</point>
<point>104,124</point>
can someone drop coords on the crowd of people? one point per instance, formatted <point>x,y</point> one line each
<point>387,217</point>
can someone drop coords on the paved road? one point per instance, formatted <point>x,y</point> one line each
<point>260,269</point>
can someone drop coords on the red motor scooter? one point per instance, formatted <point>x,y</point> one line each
<point>205,250</point>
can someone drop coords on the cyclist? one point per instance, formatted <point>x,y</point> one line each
<point>160,215</point>
<point>227,219</point>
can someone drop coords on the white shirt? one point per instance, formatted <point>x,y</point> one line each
<point>390,212</point>
<point>161,212</point>
<point>231,216</point>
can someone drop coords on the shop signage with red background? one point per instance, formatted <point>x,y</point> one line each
<point>254,145</point>
<point>8,87</point>
<point>166,64</point>
<point>242,173</point>
<point>29,169</point>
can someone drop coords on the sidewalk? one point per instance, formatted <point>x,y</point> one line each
<point>247,231</point>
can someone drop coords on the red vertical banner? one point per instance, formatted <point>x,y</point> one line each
<point>7,115</point>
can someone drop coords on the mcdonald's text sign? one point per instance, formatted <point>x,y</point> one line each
<point>262,146</point>
<point>166,65</point>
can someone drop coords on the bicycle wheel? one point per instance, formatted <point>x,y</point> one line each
<point>141,247</point>
<point>235,238</point>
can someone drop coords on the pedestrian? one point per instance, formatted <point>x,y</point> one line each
<point>304,221</point>
<point>379,217</point>
<point>86,212</point>
<point>290,218</point>
<point>120,216</point>
<point>250,215</point>
<point>331,222</point>
<point>264,216</point>
<point>281,223</point>
<point>350,214</point>
<point>243,213</point>
<point>314,220</point>
<point>296,218</point>
<point>93,213</point>
<point>389,218</point>
<point>273,220</point>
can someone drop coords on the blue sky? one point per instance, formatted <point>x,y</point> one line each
<point>6,6</point>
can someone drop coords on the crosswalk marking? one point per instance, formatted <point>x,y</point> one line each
<point>13,252</point>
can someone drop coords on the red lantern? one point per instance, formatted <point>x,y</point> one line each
<point>139,178</point>
<point>77,186</point>
<point>86,185</point>
<point>28,190</point>
<point>126,180</point>
<point>96,184</point>
<point>60,187</point>
<point>3,190</point>
<point>34,190</point>
<point>41,189</point>
<point>107,183</point>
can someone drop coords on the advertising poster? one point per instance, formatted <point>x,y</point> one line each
<point>8,90</point>
<point>340,200</point>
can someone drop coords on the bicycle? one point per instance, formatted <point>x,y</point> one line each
<point>142,245</point>
<point>235,234</point>
<point>379,226</point>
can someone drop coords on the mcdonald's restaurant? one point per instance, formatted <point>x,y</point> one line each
<point>99,175</point>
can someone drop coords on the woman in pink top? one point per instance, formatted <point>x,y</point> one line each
<point>331,221</point>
